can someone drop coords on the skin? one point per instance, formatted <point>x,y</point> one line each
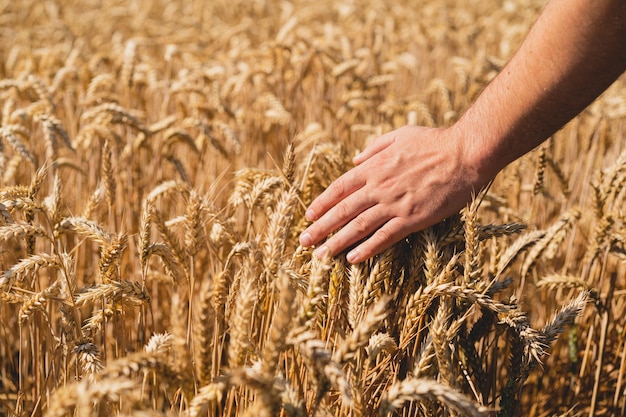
<point>414,177</point>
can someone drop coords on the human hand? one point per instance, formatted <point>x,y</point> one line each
<point>404,181</point>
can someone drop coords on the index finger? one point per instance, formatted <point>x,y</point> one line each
<point>338,190</point>
<point>375,146</point>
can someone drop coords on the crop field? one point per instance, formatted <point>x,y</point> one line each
<point>156,160</point>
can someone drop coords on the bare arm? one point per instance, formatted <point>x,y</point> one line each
<point>411,178</point>
<point>574,52</point>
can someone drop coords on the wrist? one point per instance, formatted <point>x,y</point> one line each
<point>478,157</point>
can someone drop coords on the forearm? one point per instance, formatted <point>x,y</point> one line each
<point>576,49</point>
<point>413,177</point>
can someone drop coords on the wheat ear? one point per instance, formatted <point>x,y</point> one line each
<point>415,389</point>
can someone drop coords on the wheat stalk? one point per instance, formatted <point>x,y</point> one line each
<point>415,389</point>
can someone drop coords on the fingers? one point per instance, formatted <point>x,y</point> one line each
<point>358,228</point>
<point>335,197</point>
<point>388,234</point>
<point>341,188</point>
<point>374,147</point>
<point>337,216</point>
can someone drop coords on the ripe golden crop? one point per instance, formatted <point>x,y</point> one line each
<point>156,159</point>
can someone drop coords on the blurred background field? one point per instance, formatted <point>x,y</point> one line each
<point>155,162</point>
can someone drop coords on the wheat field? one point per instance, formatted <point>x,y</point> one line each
<point>156,160</point>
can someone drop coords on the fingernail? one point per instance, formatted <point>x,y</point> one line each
<point>310,215</point>
<point>321,252</point>
<point>305,239</point>
<point>353,256</point>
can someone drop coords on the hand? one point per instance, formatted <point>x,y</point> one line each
<point>404,181</point>
<point>414,177</point>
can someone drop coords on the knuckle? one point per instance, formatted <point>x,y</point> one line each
<point>343,211</point>
<point>335,244</point>
<point>338,188</point>
<point>391,232</point>
<point>360,225</point>
<point>383,236</point>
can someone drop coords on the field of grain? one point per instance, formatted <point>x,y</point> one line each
<point>156,159</point>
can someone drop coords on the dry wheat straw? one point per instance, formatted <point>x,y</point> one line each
<point>203,331</point>
<point>87,228</point>
<point>379,343</point>
<point>10,134</point>
<point>54,129</point>
<point>318,360</point>
<point>89,358</point>
<point>356,293</point>
<point>281,324</point>
<point>171,263</point>
<point>172,242</point>
<point>83,396</point>
<point>472,265</point>
<point>556,281</point>
<point>21,230</point>
<point>540,170</point>
<point>532,342</point>
<point>442,343</point>
<point>28,267</point>
<point>210,393</point>
<point>563,318</point>
<point>271,330</point>
<point>360,337</point>
<point>12,298</point>
<point>241,323</point>
<point>553,237</point>
<point>423,389</point>
<point>37,302</point>
<point>130,291</point>
<point>315,292</point>
<point>193,223</point>
<point>110,258</point>
<point>378,281</point>
<point>277,235</point>
<point>16,191</point>
<point>52,202</point>
<point>5,215</point>
<point>106,171</point>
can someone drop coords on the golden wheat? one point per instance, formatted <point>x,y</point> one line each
<point>156,162</point>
